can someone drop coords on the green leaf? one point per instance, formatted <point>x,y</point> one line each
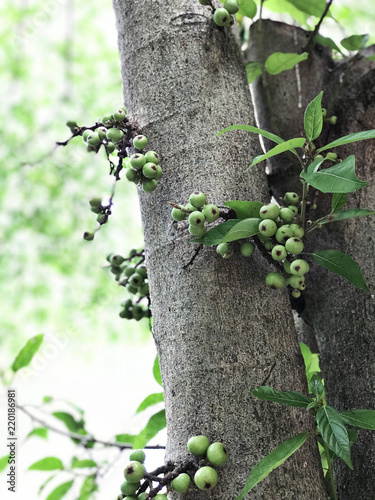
<point>311,362</point>
<point>217,233</point>
<point>4,462</point>
<point>156,423</point>
<point>316,386</point>
<point>332,428</point>
<point>156,371</point>
<point>355,42</point>
<point>71,423</point>
<point>290,398</point>
<point>60,491</point>
<point>350,214</point>
<point>315,165</point>
<point>341,264</point>
<point>312,7</point>
<point>271,461</point>
<point>44,484</point>
<point>152,399</point>
<point>26,354</point>
<point>47,399</point>
<point>41,432</point>
<point>313,121</point>
<point>253,70</point>
<point>243,229</point>
<point>282,61</point>
<point>338,201</point>
<point>255,130</point>
<point>245,209</point>
<point>80,464</point>
<point>48,463</point>
<point>326,42</point>
<point>88,487</point>
<point>280,148</point>
<point>364,419</point>
<point>340,178</point>
<point>248,8</point>
<point>347,139</point>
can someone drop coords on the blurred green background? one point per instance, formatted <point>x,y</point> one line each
<point>59,62</point>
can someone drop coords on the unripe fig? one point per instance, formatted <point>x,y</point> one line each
<point>107,119</point>
<point>137,312</point>
<point>222,249</point>
<point>96,203</point>
<point>197,231</point>
<point>149,170</point>
<point>294,245</point>
<point>324,113</point>
<point>149,185</point>
<point>102,132</point>
<point>203,2</point>
<point>88,236</point>
<point>286,266</point>
<point>231,6</point>
<point>137,161</point>
<point>144,290</point>
<point>299,267</point>
<point>268,244</point>
<point>119,115</point>
<point>142,496</point>
<point>158,172</point>
<point>296,281</point>
<point>291,198</point>
<point>296,294</point>
<point>293,208</point>
<point>206,478</point>
<point>267,227</point>
<point>221,17</point>
<point>190,207</point>
<point>86,133</point>
<point>160,496</point>
<point>129,271</point>
<point>131,174</point>
<point>93,139</point>
<point>279,252</point>
<point>196,218</point>
<point>283,234</point>
<point>197,445</point>
<point>110,147</point>
<point>217,454</point>
<point>247,249</point>
<point>211,212</point>
<point>298,231</point>
<point>286,214</point>
<point>333,120</point>
<point>117,260</point>
<point>178,214</point>
<point>131,289</point>
<point>138,455</point>
<point>136,280</point>
<point>129,488</point>
<point>152,157</point>
<point>197,199</point>
<point>134,471</point>
<point>270,211</point>
<point>101,218</point>
<point>140,141</point>
<point>275,281</point>
<point>181,483</point>
<point>142,270</point>
<point>115,135</point>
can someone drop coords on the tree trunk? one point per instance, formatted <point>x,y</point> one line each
<point>218,330</point>
<point>341,316</point>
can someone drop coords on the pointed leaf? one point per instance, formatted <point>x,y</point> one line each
<point>155,424</point>
<point>81,464</point>
<point>41,432</point>
<point>364,419</point>
<point>316,386</point>
<point>355,42</point>
<point>312,7</point>
<point>281,61</point>
<point>347,139</point>
<point>314,118</point>
<point>88,487</point>
<point>271,461</point>
<point>341,264</point>
<point>311,361</point>
<point>338,201</point>
<point>350,214</point>
<point>243,229</point>
<point>245,209</point>
<point>280,148</point>
<point>326,42</point>
<point>255,130</point>
<point>253,70</point>
<point>217,233</point>
<point>43,485</point>
<point>340,178</point>
<point>332,428</point>
<point>315,165</point>
<point>71,423</point>
<point>48,463</point>
<point>290,398</point>
<point>156,371</point>
<point>27,353</point>
<point>152,399</point>
<point>60,491</point>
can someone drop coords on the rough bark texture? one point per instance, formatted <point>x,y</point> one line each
<point>341,316</point>
<point>218,330</point>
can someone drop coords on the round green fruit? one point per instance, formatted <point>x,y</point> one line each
<point>96,203</point>
<point>217,454</point>
<point>206,478</point>
<point>299,267</point>
<point>211,212</point>
<point>283,234</point>
<point>138,455</point>
<point>222,248</point>
<point>134,471</point>
<point>117,260</point>
<point>137,312</point>
<point>178,215</point>
<point>197,231</point>
<point>152,157</point>
<point>142,496</point>
<point>275,281</point>
<point>296,281</point>
<point>181,483</point>
<point>140,141</point>
<point>270,211</point>
<point>203,2</point>
<point>293,208</point>
<point>161,496</point>
<point>196,218</point>
<point>190,207</point>
<point>131,174</point>
<point>221,17</point>
<point>129,488</point>
<point>120,115</point>
<point>137,161</point>
<point>231,6</point>
<point>131,289</point>
<point>115,135</point>
<point>298,231</point>
<point>286,214</point>
<point>279,252</point>
<point>86,133</point>
<point>296,294</point>
<point>294,246</point>
<point>110,147</point>
<point>197,199</point>
<point>88,236</point>
<point>102,132</point>
<point>149,170</point>
<point>158,172</point>
<point>286,266</point>
<point>247,249</point>
<point>144,290</point>
<point>149,185</point>
<point>136,280</point>
<point>197,445</point>
<point>291,198</point>
<point>267,227</point>
<point>93,139</point>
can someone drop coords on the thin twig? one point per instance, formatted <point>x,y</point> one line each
<point>317,27</point>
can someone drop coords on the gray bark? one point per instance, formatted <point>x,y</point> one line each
<point>217,329</point>
<point>341,316</point>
